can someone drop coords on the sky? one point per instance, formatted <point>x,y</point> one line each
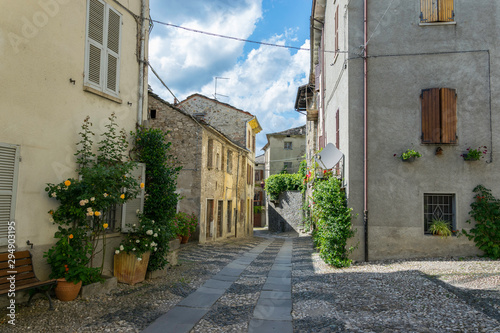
<point>259,79</point>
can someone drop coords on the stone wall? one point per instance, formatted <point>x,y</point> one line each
<point>285,215</point>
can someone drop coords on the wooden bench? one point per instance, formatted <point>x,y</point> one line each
<point>24,276</point>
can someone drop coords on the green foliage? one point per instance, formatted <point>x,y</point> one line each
<point>184,224</point>
<point>409,154</point>
<point>152,148</point>
<point>474,154</point>
<point>141,238</point>
<point>441,228</point>
<point>332,218</point>
<point>486,232</point>
<point>257,209</point>
<point>279,183</point>
<point>83,203</point>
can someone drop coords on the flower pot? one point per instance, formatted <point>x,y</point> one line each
<point>409,159</point>
<point>180,237</point>
<point>67,291</point>
<point>130,269</point>
<point>184,239</point>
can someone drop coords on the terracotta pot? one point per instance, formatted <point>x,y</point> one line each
<point>180,237</point>
<point>67,291</point>
<point>127,269</point>
<point>184,239</point>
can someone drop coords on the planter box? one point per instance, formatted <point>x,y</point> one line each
<point>127,269</point>
<point>99,288</point>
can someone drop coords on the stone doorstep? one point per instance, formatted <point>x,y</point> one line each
<point>99,288</point>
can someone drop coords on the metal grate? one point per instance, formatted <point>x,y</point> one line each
<point>439,207</point>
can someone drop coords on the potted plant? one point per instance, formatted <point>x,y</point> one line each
<point>440,228</point>
<point>132,255</point>
<point>409,155</point>
<point>474,154</point>
<point>185,225</point>
<point>68,259</point>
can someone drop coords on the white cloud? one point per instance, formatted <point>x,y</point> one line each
<point>264,82</point>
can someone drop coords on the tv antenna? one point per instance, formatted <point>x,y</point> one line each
<point>219,78</point>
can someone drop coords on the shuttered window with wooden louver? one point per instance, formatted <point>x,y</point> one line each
<point>437,11</point>
<point>102,58</point>
<point>9,160</point>
<point>439,115</point>
<point>337,30</point>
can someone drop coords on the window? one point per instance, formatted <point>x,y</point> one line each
<point>439,115</point>
<point>436,11</point>
<point>9,165</point>
<point>439,207</point>
<point>229,161</point>
<point>287,145</point>
<point>210,153</point>
<point>102,49</point>
<point>229,215</point>
<point>287,166</point>
<point>249,174</point>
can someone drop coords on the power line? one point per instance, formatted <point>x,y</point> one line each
<point>235,38</point>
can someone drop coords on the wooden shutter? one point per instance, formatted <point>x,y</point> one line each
<point>431,127</point>
<point>337,29</point>
<point>210,153</point>
<point>448,101</point>
<point>129,209</point>
<point>95,42</point>
<point>113,50</point>
<point>446,12</point>
<point>9,165</point>
<point>428,10</point>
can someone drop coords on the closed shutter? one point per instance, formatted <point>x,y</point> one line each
<point>129,209</point>
<point>448,100</point>
<point>95,42</point>
<point>428,10</point>
<point>210,153</point>
<point>113,50</point>
<point>9,164</point>
<point>431,127</point>
<point>446,12</point>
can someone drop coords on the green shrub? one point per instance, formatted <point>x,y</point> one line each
<point>333,222</point>
<point>486,232</point>
<point>277,184</point>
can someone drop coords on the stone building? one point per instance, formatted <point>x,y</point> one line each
<point>390,76</point>
<point>285,150</point>
<point>216,182</point>
<point>259,199</point>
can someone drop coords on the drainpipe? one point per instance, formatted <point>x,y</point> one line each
<point>141,63</point>
<point>365,128</point>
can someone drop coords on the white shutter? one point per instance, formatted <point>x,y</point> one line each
<point>9,165</point>
<point>102,55</point>
<point>129,209</point>
<point>114,22</point>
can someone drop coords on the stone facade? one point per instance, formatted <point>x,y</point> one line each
<point>285,149</point>
<point>213,182</point>
<point>286,214</point>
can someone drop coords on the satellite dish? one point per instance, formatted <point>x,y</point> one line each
<point>329,156</point>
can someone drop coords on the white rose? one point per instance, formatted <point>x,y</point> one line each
<point>133,249</point>
<point>139,259</point>
<point>149,232</point>
<point>121,248</point>
<point>54,195</point>
<point>137,241</point>
<point>155,235</point>
<point>117,251</point>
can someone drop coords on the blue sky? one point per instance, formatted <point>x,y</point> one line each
<point>262,80</point>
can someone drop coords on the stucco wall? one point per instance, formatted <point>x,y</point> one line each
<point>42,48</point>
<point>405,58</point>
<point>278,155</point>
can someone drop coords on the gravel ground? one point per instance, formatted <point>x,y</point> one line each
<point>432,295</point>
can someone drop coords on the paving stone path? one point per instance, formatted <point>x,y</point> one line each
<point>263,274</point>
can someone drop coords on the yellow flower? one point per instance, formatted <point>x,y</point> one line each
<point>122,196</point>
<point>97,213</point>
<point>71,236</point>
<point>67,183</point>
<point>105,226</point>
<point>142,185</point>
<point>51,212</point>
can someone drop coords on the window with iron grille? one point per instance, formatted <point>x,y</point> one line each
<point>288,145</point>
<point>439,207</point>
